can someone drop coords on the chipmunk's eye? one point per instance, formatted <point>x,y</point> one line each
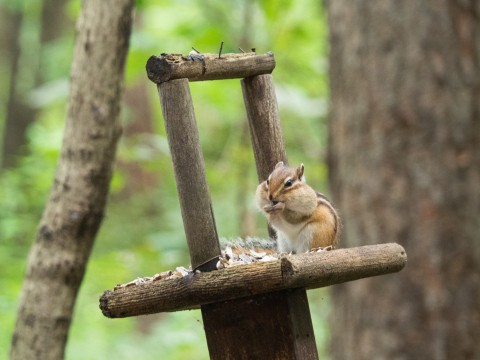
<point>288,183</point>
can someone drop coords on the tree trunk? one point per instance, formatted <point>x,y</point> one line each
<point>20,115</point>
<point>54,21</point>
<point>76,205</point>
<point>405,167</point>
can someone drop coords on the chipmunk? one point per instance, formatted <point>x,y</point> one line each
<point>303,218</point>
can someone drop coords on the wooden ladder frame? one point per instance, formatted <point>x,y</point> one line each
<point>257,311</point>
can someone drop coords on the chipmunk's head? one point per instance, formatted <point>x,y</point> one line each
<point>282,183</point>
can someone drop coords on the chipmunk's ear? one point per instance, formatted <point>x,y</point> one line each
<point>300,171</point>
<point>279,164</point>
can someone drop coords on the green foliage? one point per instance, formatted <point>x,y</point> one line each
<point>142,233</point>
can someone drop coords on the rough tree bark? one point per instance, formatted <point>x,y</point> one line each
<point>405,167</point>
<point>76,204</point>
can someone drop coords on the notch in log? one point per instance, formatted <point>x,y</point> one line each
<point>168,67</point>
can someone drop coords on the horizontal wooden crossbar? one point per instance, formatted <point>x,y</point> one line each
<point>202,67</point>
<point>311,270</point>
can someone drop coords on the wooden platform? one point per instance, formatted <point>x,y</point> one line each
<point>311,270</point>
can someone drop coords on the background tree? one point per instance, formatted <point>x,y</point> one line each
<point>405,166</point>
<point>75,209</point>
<point>19,20</point>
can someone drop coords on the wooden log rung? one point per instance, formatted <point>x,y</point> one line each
<point>311,270</point>
<point>168,67</point>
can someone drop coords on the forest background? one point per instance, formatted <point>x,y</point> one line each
<point>142,233</point>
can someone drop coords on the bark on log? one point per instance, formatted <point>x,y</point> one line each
<point>168,67</point>
<point>311,270</point>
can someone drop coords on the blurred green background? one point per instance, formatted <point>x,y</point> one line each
<point>142,233</point>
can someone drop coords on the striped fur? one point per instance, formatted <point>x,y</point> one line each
<point>303,218</point>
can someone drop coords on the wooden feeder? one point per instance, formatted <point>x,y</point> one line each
<point>254,311</point>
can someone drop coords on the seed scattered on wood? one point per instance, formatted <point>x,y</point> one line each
<point>252,250</point>
<point>268,258</point>
<point>257,255</point>
<point>228,253</point>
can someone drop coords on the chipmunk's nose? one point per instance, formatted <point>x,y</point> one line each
<point>270,197</point>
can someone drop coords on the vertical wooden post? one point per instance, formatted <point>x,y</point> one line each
<point>264,121</point>
<point>268,326</point>
<point>189,168</point>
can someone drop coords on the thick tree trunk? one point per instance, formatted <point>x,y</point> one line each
<point>405,167</point>
<point>76,205</point>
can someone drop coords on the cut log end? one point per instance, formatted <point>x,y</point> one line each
<point>104,304</point>
<point>158,69</point>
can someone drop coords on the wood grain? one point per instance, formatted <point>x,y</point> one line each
<point>264,122</point>
<point>311,270</point>
<point>189,168</point>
